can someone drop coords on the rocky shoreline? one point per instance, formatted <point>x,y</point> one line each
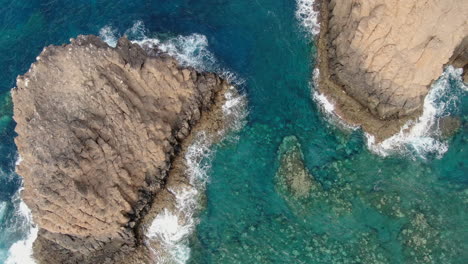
<point>102,133</point>
<point>351,102</point>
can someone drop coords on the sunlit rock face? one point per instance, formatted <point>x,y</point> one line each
<point>387,53</point>
<point>97,130</point>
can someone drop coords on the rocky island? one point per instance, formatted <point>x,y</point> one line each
<point>377,59</point>
<point>98,128</point>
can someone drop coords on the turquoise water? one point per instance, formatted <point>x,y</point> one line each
<point>363,208</point>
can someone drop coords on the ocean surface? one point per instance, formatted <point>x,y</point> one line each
<point>402,201</point>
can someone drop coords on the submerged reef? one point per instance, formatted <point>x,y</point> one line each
<point>377,59</point>
<point>98,131</point>
<point>292,172</point>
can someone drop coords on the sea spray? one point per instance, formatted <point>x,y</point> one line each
<point>327,106</point>
<point>21,251</point>
<point>308,16</point>
<point>109,35</point>
<point>190,51</point>
<point>422,137</point>
<point>234,110</point>
<point>323,102</point>
<point>172,228</point>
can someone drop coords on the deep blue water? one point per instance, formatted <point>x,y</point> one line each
<point>370,209</point>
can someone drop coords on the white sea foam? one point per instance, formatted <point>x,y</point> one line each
<point>172,228</point>
<point>109,35</point>
<point>321,99</point>
<point>3,206</point>
<point>327,106</point>
<point>234,110</point>
<point>418,138</point>
<point>324,102</point>
<point>137,31</point>
<point>308,17</point>
<point>422,137</point>
<point>173,235</point>
<point>191,50</point>
<point>21,251</point>
<point>18,160</point>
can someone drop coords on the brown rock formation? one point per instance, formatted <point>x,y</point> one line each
<point>97,130</point>
<point>378,58</point>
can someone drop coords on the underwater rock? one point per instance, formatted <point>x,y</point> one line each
<point>378,58</point>
<point>448,126</point>
<point>292,172</point>
<point>97,130</point>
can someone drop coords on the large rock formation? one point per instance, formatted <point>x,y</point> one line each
<point>385,54</point>
<point>97,130</point>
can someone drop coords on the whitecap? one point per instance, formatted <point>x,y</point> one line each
<point>422,137</point>
<point>190,51</point>
<point>18,160</point>
<point>21,251</point>
<point>327,106</point>
<point>172,234</point>
<point>234,110</point>
<point>322,100</point>
<point>307,16</point>
<point>137,31</point>
<point>173,228</point>
<point>3,207</point>
<point>109,35</point>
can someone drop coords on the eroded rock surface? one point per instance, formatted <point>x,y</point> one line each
<point>97,130</point>
<point>385,55</point>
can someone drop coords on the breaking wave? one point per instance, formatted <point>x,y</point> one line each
<point>21,251</point>
<point>423,137</point>
<point>307,16</point>
<point>190,51</point>
<point>109,35</point>
<point>173,227</point>
<point>19,222</point>
<point>323,102</point>
<point>327,107</point>
<point>420,138</point>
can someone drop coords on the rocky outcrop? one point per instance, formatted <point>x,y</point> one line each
<point>97,130</point>
<point>378,58</point>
